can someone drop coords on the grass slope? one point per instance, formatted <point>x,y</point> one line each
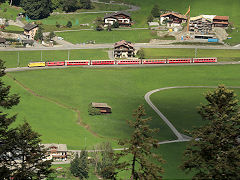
<point>11,57</point>
<point>221,54</point>
<point>122,88</point>
<point>136,36</point>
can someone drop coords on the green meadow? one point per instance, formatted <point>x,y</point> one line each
<point>221,54</point>
<point>136,36</point>
<point>59,92</point>
<point>122,88</point>
<point>11,57</point>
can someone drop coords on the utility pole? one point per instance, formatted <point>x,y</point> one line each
<point>68,54</point>
<point>18,60</point>
<point>195,52</point>
<point>41,55</point>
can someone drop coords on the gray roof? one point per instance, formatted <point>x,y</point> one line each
<point>117,13</point>
<point>29,26</point>
<point>60,147</point>
<point>100,105</point>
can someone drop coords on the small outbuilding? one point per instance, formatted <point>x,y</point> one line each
<point>103,107</point>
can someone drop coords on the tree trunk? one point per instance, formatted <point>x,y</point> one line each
<point>133,166</point>
<point>11,3</point>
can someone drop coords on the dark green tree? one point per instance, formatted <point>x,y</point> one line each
<point>36,9</point>
<point>116,24</point>
<point>139,146</point>
<point>140,53</point>
<point>7,134</point>
<point>79,165</point>
<point>86,4</point>
<point>155,11</point>
<point>214,151</point>
<point>69,24</point>
<point>31,155</point>
<point>39,34</point>
<point>51,35</point>
<point>150,18</point>
<point>70,5</point>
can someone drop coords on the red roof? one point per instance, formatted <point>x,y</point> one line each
<point>174,14</point>
<point>221,18</point>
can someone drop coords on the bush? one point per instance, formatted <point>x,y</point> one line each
<point>57,25</point>
<point>99,28</point>
<point>69,24</point>
<point>116,24</point>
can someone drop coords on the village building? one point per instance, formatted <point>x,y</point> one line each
<point>200,24</point>
<point>172,19</point>
<point>56,152</point>
<point>103,107</point>
<point>123,19</point>
<point>124,49</point>
<point>30,30</point>
<point>221,21</point>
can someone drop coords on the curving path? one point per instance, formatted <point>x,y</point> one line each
<point>180,137</point>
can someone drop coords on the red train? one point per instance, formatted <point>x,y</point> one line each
<point>130,62</point>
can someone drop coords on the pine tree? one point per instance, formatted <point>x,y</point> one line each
<point>36,9</point>
<point>30,155</point>
<point>214,152</point>
<point>155,11</point>
<point>7,101</point>
<point>39,34</point>
<point>139,146</point>
<point>79,165</point>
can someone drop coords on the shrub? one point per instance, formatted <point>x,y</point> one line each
<point>69,24</point>
<point>116,24</point>
<point>57,25</point>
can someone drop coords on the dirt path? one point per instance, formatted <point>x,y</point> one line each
<point>79,120</point>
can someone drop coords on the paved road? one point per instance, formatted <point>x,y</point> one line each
<point>102,46</point>
<point>179,136</point>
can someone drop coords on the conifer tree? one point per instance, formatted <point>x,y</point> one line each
<point>155,11</point>
<point>29,155</point>
<point>7,101</point>
<point>214,151</point>
<point>139,147</point>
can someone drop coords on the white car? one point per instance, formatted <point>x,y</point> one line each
<point>60,38</point>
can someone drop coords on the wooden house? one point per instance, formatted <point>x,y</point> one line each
<point>172,19</point>
<point>103,107</point>
<point>30,30</point>
<point>123,18</point>
<point>124,49</point>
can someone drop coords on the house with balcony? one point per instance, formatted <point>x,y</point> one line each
<point>172,19</point>
<point>124,49</point>
<point>56,152</point>
<point>123,18</point>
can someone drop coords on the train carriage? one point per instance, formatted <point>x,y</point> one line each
<point>204,60</point>
<point>102,62</point>
<point>154,61</point>
<point>179,60</point>
<point>77,62</point>
<point>55,63</point>
<point>119,62</point>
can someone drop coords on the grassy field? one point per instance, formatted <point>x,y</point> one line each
<point>124,90</point>
<point>136,36</point>
<point>83,85</point>
<point>13,29</point>
<point>11,58</point>
<point>221,54</point>
<point>9,12</point>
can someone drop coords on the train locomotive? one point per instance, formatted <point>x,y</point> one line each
<point>122,62</point>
